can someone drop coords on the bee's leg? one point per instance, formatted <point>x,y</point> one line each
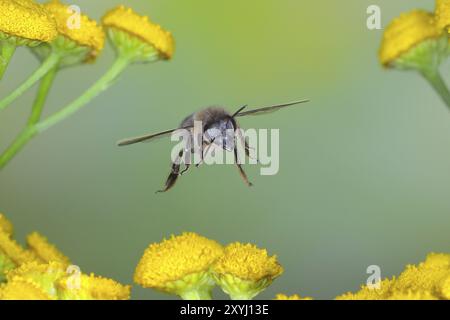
<point>186,168</point>
<point>171,179</point>
<point>247,152</point>
<point>201,160</point>
<point>241,170</point>
<point>174,173</point>
<point>204,153</point>
<point>246,145</point>
<point>187,164</point>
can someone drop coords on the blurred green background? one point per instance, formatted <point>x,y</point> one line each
<point>364,176</point>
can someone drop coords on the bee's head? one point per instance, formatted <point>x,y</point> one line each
<point>221,133</point>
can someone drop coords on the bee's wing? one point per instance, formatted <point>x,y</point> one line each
<point>265,110</point>
<point>148,137</point>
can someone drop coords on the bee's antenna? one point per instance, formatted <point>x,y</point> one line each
<point>237,112</point>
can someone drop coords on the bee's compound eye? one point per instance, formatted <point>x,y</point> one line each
<point>229,125</point>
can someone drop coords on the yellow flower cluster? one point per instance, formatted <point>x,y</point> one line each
<point>23,289</point>
<point>176,258</point>
<point>92,287</point>
<point>247,262</point>
<point>189,265</point>
<point>406,32</point>
<point>411,29</point>
<point>31,21</point>
<point>75,39</point>
<point>26,19</point>
<point>53,281</point>
<point>419,41</point>
<point>245,270</point>
<point>430,280</point>
<point>42,272</point>
<point>85,32</point>
<point>125,19</point>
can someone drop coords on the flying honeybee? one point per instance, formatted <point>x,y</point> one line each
<point>216,123</point>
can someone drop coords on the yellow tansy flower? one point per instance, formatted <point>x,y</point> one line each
<point>247,262</point>
<point>281,296</point>
<point>26,20</point>
<point>437,260</point>
<point>43,272</point>
<point>414,41</point>
<point>179,265</point>
<point>367,293</point>
<point>87,34</point>
<point>55,280</point>
<point>78,41</point>
<point>5,224</point>
<point>42,275</point>
<point>21,288</point>
<point>14,250</point>
<point>92,287</point>
<point>429,280</point>
<point>45,250</point>
<point>406,32</point>
<point>442,14</point>
<point>126,20</point>
<point>427,277</point>
<point>9,246</point>
<point>245,270</point>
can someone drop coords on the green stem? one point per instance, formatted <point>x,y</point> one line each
<point>41,97</point>
<point>240,296</point>
<point>45,67</point>
<point>196,294</point>
<point>34,127</point>
<point>30,131</point>
<point>101,85</point>
<point>436,81</point>
<point>25,136</point>
<point>7,50</point>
